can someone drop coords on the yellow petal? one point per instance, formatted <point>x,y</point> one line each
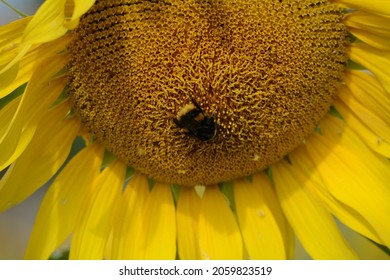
<point>339,133</point>
<point>10,38</point>
<point>311,222</point>
<point>59,209</point>
<point>39,95</point>
<point>12,32</point>
<point>335,130</point>
<point>95,220</point>
<point>7,113</point>
<point>365,132</point>
<point>42,158</point>
<point>368,22</point>
<point>378,61</point>
<point>108,248</point>
<point>274,204</point>
<point>356,178</point>
<point>47,23</point>
<point>150,230</point>
<point>380,7</point>
<point>377,41</point>
<point>160,224</point>
<point>369,92</point>
<point>367,116</point>
<point>28,63</point>
<point>75,10</point>
<point>219,234</point>
<point>187,214</point>
<point>301,161</point>
<point>263,238</point>
<point>81,7</point>
<point>129,232</point>
<point>9,72</point>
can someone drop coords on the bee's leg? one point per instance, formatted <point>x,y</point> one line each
<point>176,122</point>
<point>188,133</point>
<point>196,104</point>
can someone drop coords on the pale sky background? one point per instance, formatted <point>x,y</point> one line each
<point>26,6</point>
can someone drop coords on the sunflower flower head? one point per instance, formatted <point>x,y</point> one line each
<point>266,95</point>
<point>243,123</point>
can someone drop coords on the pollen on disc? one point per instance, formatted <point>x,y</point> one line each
<point>267,71</point>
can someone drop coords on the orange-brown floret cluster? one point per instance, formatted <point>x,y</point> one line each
<point>266,70</point>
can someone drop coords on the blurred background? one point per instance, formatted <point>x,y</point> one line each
<point>28,7</point>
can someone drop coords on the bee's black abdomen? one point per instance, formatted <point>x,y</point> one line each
<point>196,123</point>
<point>206,133</point>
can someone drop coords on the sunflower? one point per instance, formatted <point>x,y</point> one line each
<point>213,129</point>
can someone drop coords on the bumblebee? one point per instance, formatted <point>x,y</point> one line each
<point>192,118</point>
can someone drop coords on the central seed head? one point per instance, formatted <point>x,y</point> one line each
<point>265,72</point>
